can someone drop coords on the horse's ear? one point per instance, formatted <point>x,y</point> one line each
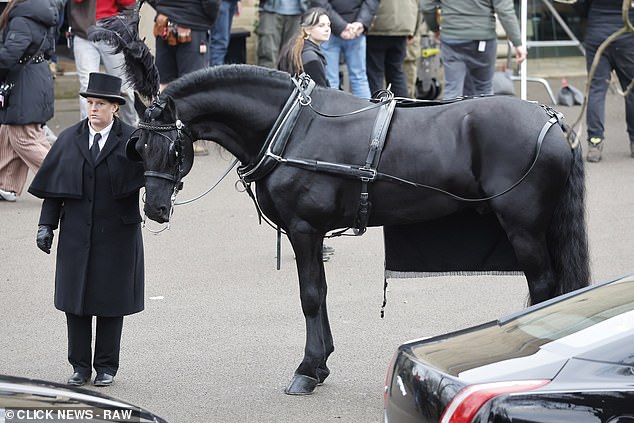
<point>169,111</point>
<point>139,105</point>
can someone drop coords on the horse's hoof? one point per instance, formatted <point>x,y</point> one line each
<point>322,374</point>
<point>301,385</point>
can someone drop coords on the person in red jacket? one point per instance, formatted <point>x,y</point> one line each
<point>90,55</point>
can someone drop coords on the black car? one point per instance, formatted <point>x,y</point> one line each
<point>570,359</point>
<point>29,400</point>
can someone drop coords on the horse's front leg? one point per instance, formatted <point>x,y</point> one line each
<point>312,289</point>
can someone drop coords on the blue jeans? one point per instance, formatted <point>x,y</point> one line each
<point>354,54</point>
<point>220,33</point>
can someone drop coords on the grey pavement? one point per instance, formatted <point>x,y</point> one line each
<point>222,331</point>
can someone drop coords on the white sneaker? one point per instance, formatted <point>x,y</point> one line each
<point>8,196</point>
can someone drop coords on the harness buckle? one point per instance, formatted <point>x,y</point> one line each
<point>367,174</point>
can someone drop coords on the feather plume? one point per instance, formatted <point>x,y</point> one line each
<point>122,33</point>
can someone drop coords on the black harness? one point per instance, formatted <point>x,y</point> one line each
<point>272,151</point>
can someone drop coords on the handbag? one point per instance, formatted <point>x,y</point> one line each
<point>5,86</point>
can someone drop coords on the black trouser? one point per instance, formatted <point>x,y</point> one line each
<point>384,63</point>
<point>107,343</point>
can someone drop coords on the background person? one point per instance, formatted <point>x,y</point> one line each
<point>604,18</point>
<point>302,53</point>
<point>220,32</point>
<point>91,190</point>
<point>277,25</point>
<point>350,21</point>
<point>24,26</point>
<point>468,41</point>
<point>396,22</point>
<point>89,55</point>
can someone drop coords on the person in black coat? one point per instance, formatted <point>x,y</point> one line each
<point>24,46</point>
<point>91,190</point>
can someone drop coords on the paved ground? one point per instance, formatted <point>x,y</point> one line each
<point>222,331</point>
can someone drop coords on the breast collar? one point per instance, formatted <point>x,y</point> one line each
<point>271,153</point>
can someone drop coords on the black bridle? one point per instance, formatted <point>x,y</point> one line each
<point>175,148</point>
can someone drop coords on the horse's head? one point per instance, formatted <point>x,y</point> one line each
<point>165,147</point>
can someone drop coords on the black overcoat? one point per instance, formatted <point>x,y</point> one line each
<point>99,267</point>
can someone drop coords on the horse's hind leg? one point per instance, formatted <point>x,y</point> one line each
<point>532,254</point>
<point>312,288</point>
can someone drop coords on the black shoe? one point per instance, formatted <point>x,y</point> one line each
<point>78,379</point>
<point>103,379</point>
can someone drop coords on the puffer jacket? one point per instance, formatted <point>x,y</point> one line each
<point>343,12</point>
<point>198,15</point>
<point>32,97</point>
<point>396,18</point>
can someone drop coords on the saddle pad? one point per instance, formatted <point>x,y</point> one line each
<point>464,243</point>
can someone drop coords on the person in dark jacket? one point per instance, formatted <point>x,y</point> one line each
<point>351,20</point>
<point>91,190</point>
<point>182,47</point>
<point>24,29</point>
<point>396,22</point>
<point>302,53</point>
<point>604,18</point>
<point>181,28</point>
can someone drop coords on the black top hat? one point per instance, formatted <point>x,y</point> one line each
<point>102,85</point>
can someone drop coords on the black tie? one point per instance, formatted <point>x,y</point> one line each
<point>94,150</point>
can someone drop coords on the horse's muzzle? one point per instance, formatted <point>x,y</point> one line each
<point>158,214</point>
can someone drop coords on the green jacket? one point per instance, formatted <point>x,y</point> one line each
<point>472,19</point>
<point>396,18</point>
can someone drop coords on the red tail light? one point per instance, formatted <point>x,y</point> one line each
<point>469,400</point>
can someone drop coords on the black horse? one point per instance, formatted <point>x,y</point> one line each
<point>310,154</point>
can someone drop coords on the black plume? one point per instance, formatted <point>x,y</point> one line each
<point>122,32</point>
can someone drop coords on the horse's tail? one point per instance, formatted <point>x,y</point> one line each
<point>567,237</point>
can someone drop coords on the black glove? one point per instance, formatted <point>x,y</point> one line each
<point>44,238</point>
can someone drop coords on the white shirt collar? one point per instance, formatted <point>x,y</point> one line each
<point>104,134</point>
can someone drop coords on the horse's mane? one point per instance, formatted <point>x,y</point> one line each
<point>209,77</point>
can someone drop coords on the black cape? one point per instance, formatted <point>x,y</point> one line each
<point>56,180</point>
